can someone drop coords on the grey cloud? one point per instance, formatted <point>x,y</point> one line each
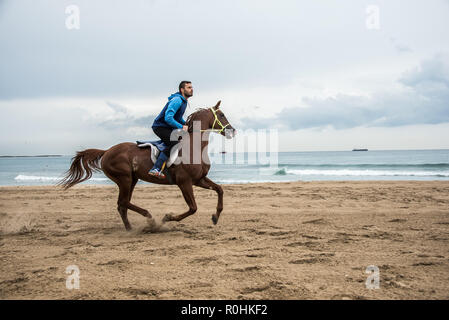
<point>403,48</point>
<point>122,118</point>
<point>141,48</point>
<point>399,46</point>
<point>146,121</point>
<point>62,130</point>
<point>425,100</point>
<point>430,73</point>
<point>117,107</point>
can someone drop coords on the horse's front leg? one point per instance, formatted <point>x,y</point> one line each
<point>187,191</point>
<point>209,184</point>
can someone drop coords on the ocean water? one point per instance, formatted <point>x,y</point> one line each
<point>245,168</point>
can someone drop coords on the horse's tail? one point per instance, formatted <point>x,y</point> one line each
<point>83,164</point>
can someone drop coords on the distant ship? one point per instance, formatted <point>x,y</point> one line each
<point>222,151</point>
<point>359,149</point>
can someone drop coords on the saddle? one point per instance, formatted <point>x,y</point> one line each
<point>158,146</point>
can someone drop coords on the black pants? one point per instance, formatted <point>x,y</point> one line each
<point>164,133</point>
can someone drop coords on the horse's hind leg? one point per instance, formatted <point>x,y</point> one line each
<point>123,210</point>
<point>133,184</point>
<point>126,186</point>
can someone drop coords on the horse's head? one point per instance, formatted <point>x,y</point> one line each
<point>212,119</point>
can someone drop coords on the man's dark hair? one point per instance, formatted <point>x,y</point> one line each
<point>183,84</point>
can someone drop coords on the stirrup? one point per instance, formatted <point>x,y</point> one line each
<point>157,174</point>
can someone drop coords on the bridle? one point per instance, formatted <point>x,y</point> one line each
<point>216,121</point>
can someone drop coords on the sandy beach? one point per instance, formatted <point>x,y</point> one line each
<point>297,240</point>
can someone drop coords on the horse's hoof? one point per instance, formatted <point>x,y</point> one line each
<point>214,219</point>
<point>166,218</point>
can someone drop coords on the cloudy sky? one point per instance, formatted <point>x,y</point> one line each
<point>329,75</point>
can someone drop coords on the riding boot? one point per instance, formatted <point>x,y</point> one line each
<point>156,170</point>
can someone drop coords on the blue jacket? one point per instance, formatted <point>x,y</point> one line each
<point>171,115</point>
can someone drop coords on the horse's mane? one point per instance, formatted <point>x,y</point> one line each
<point>190,118</point>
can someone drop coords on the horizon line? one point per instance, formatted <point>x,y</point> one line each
<point>63,155</point>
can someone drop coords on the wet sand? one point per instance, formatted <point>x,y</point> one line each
<point>298,240</point>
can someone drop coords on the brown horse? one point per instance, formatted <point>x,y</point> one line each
<point>126,163</point>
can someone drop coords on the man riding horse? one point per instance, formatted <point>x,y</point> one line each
<point>169,119</point>
<point>126,163</point>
